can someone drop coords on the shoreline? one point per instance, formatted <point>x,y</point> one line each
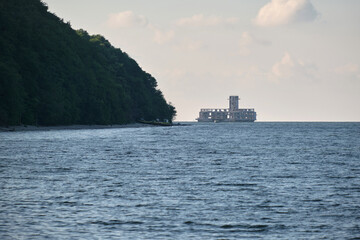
<point>71,127</point>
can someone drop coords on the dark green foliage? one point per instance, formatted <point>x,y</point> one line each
<point>53,75</point>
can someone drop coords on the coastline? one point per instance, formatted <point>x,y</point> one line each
<point>71,127</point>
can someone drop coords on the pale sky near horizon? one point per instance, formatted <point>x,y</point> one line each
<point>291,60</point>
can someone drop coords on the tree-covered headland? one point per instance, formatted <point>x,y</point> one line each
<point>51,74</point>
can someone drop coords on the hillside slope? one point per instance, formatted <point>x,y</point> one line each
<point>51,74</point>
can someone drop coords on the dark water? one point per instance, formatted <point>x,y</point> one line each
<point>205,181</point>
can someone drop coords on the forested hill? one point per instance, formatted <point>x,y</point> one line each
<point>51,74</point>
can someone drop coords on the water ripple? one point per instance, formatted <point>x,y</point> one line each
<point>205,181</point>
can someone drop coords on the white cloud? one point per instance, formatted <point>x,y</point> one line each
<point>126,19</point>
<point>281,12</point>
<point>350,70</point>
<point>245,41</point>
<point>130,19</point>
<point>199,20</point>
<point>288,67</point>
<point>284,68</point>
<point>161,36</point>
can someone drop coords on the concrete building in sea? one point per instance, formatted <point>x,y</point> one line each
<point>231,114</point>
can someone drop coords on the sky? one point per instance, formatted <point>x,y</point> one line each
<point>291,60</point>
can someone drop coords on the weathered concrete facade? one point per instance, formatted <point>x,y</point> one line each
<point>232,114</point>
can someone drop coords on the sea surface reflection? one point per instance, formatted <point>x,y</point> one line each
<point>204,181</point>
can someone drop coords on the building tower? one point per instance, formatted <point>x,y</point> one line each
<point>233,103</point>
<point>231,114</point>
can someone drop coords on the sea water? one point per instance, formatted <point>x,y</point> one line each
<point>203,181</point>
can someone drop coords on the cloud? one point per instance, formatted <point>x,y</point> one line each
<point>126,19</point>
<point>284,68</point>
<point>244,43</point>
<point>161,36</point>
<point>350,69</point>
<point>288,67</point>
<point>199,20</point>
<point>247,40</point>
<point>129,19</point>
<point>281,12</point>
